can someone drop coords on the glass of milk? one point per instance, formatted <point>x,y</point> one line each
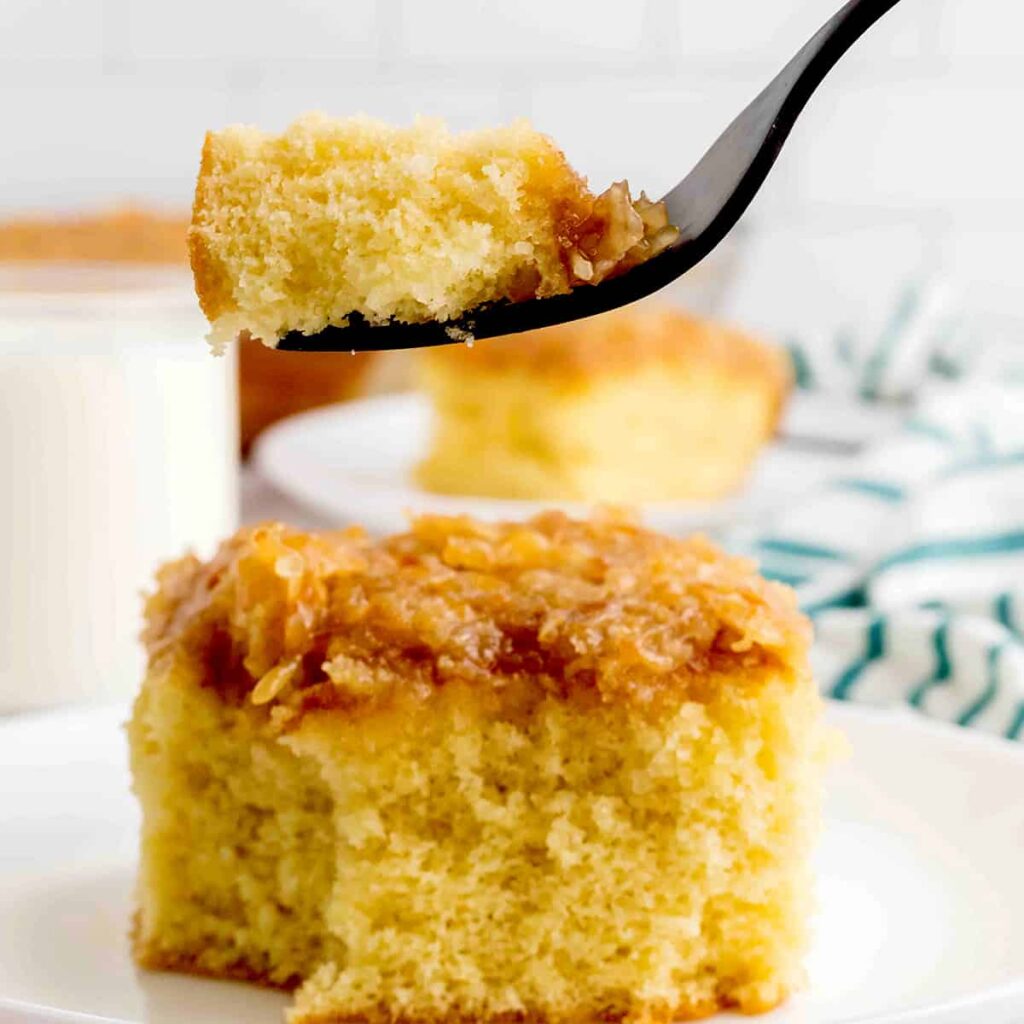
<point>118,450</point>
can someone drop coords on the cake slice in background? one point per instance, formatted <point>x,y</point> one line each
<point>300,231</point>
<point>643,404</point>
<point>123,234</point>
<point>550,771</point>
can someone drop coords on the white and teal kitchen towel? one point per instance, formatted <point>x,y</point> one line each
<point>912,564</point>
<point>918,337</point>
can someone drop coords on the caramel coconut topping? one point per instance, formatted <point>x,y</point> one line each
<point>582,609</point>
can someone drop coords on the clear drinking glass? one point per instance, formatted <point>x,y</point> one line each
<point>118,449</point>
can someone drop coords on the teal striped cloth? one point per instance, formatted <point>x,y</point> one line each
<point>919,337</point>
<point>912,564</point>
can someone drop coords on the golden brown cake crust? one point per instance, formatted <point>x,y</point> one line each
<point>585,610</point>
<point>153,959</point>
<point>126,234</point>
<point>618,342</point>
<point>212,286</point>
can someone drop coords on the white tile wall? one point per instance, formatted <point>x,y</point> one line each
<point>930,143</point>
<point>279,97</point>
<point>54,30</point>
<point>651,136</point>
<point>733,30</point>
<point>208,30</point>
<point>911,153</point>
<point>982,28</point>
<point>527,30</point>
<point>117,135</point>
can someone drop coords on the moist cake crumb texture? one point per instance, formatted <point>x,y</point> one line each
<point>644,404</point>
<point>546,771</point>
<point>298,231</point>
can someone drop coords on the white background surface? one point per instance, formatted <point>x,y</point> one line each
<point>915,146</point>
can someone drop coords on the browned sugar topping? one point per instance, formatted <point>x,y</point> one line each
<point>598,609</point>
<point>617,233</point>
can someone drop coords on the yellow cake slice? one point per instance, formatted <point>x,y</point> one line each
<point>299,231</point>
<point>643,404</point>
<point>554,771</point>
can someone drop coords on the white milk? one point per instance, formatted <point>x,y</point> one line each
<point>118,444</point>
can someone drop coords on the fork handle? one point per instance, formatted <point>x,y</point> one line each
<point>748,148</point>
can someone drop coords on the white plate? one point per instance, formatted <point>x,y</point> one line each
<point>921,898</point>
<point>353,463</point>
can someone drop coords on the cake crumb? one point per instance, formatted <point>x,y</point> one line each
<point>460,334</point>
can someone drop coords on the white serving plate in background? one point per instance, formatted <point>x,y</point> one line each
<point>921,913</point>
<point>353,462</point>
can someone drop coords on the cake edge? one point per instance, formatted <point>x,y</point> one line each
<point>211,286</point>
<point>148,957</point>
